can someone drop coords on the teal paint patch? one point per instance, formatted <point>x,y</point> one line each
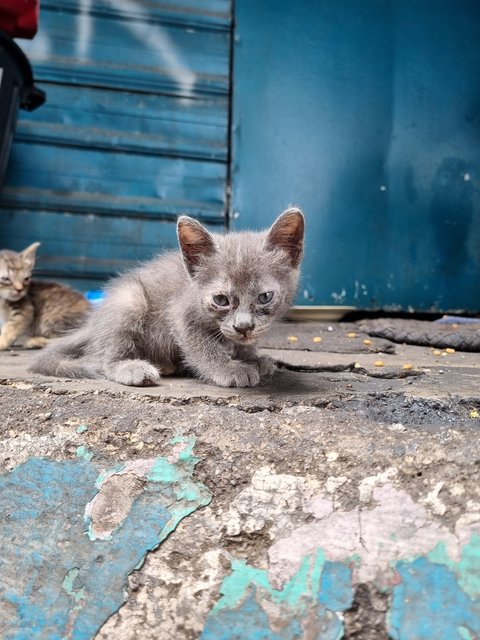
<point>68,584</point>
<point>83,452</point>
<point>104,474</point>
<point>250,622</point>
<point>469,567</point>
<point>163,471</point>
<point>430,603</point>
<point>82,428</point>
<point>55,581</point>
<point>465,634</point>
<point>251,608</point>
<point>186,448</point>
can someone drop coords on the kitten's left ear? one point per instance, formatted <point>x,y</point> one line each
<point>287,233</point>
<point>28,254</point>
<point>195,242</point>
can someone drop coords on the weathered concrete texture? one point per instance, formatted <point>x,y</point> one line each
<point>342,504</point>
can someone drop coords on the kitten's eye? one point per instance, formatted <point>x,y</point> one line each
<point>221,301</point>
<point>26,280</point>
<point>5,280</point>
<point>264,298</point>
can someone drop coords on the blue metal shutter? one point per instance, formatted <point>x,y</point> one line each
<point>134,133</point>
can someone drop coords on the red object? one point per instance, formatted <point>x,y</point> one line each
<point>19,18</point>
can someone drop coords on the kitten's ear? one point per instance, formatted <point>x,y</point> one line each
<point>287,233</point>
<point>28,254</point>
<point>195,242</point>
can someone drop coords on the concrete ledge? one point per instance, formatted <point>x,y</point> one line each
<point>321,504</point>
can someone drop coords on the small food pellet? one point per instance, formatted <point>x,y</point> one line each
<point>317,339</point>
<point>367,341</point>
<point>449,350</point>
<point>407,366</point>
<point>352,334</point>
<point>292,339</point>
<point>378,363</point>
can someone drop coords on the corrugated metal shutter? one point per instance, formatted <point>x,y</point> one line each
<point>134,132</point>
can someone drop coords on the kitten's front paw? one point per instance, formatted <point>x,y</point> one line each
<point>133,373</point>
<point>239,374</point>
<point>36,342</point>
<point>4,343</point>
<point>266,366</point>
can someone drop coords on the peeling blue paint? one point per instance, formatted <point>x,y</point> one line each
<point>436,597</point>
<point>430,603</point>
<point>55,581</point>
<point>251,608</point>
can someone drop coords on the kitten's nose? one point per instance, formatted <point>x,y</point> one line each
<point>243,323</point>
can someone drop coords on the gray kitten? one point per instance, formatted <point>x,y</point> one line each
<point>199,310</point>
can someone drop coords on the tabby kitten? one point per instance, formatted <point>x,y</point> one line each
<point>200,309</point>
<point>40,310</point>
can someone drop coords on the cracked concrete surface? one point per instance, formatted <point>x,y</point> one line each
<point>332,495</point>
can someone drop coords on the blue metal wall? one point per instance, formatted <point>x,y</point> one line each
<point>134,132</point>
<point>367,115</point>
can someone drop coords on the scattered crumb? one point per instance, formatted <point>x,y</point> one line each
<point>407,366</point>
<point>437,352</point>
<point>292,339</point>
<point>378,363</point>
<point>449,350</point>
<point>367,341</point>
<point>352,334</point>
<point>317,339</point>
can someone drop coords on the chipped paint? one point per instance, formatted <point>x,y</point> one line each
<point>467,568</point>
<point>270,498</point>
<point>64,584</point>
<point>432,572</point>
<point>311,600</point>
<point>68,585</point>
<point>429,603</point>
<point>396,528</point>
<point>83,452</point>
<point>120,486</point>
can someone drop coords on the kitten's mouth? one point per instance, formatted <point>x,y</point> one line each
<point>14,297</point>
<point>241,339</point>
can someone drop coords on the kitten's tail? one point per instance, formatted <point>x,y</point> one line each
<point>63,358</point>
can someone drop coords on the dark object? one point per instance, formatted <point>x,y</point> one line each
<point>19,18</point>
<point>459,337</point>
<point>17,91</point>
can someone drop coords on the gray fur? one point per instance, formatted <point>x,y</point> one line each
<point>161,318</point>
